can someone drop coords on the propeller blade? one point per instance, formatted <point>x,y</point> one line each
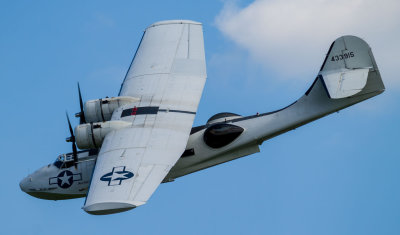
<point>72,139</point>
<point>81,114</point>
<point>75,154</point>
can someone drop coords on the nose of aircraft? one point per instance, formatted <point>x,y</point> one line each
<point>24,184</point>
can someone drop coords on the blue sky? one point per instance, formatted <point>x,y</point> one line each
<point>337,175</point>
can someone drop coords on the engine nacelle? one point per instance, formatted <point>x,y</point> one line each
<point>101,110</point>
<point>91,135</point>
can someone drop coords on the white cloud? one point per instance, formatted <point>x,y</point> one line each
<point>293,36</point>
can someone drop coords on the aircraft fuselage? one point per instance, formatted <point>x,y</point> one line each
<point>225,137</point>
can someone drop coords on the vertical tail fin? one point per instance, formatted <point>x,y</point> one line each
<point>347,68</point>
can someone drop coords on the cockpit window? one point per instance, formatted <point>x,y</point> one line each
<point>58,163</point>
<point>64,161</point>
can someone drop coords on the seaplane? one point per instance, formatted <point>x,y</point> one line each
<point>130,144</point>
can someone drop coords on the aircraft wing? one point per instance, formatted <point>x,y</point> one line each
<point>167,74</point>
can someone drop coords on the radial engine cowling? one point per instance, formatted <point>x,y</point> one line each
<point>91,135</point>
<point>101,110</point>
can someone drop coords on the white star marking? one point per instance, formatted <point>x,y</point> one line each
<point>65,179</point>
<point>117,175</point>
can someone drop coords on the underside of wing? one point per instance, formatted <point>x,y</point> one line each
<point>167,77</point>
<point>169,67</point>
<point>125,178</point>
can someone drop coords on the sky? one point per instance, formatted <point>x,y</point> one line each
<point>337,175</point>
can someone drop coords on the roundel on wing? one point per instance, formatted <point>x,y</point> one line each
<point>116,176</point>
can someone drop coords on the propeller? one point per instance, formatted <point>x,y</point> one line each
<point>81,114</point>
<point>72,139</point>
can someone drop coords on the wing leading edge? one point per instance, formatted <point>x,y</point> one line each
<point>167,75</point>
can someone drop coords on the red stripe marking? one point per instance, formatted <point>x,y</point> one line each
<point>134,110</point>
